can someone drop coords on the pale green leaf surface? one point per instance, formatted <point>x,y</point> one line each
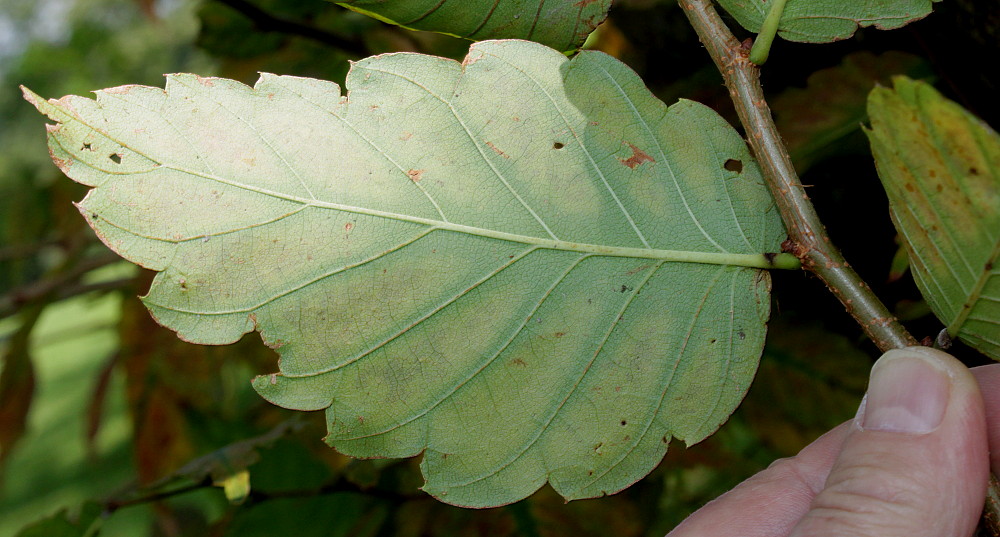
<point>940,167</point>
<point>823,21</point>
<point>560,24</point>
<point>486,262</point>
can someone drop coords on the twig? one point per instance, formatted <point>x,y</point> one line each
<point>113,505</point>
<point>267,22</point>
<point>60,284</point>
<point>807,237</point>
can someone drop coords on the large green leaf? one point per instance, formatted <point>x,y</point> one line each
<point>940,167</point>
<point>525,267</point>
<point>560,24</point>
<point>822,21</point>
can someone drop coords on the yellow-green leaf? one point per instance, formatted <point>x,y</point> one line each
<point>940,167</point>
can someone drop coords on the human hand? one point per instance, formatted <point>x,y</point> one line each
<point>914,462</point>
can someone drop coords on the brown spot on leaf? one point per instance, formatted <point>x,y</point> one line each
<point>497,150</point>
<point>406,136</point>
<point>558,145</point>
<point>208,82</point>
<point>910,187</point>
<point>62,163</point>
<point>584,3</point>
<point>415,175</point>
<point>348,226</point>
<point>116,158</point>
<point>638,269</point>
<point>734,165</point>
<point>638,157</point>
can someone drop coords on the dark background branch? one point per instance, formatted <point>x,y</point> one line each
<point>267,22</point>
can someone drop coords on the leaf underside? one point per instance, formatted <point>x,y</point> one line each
<point>940,167</point>
<point>476,261</point>
<point>560,24</point>
<point>823,21</point>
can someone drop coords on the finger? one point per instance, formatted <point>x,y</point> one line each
<point>771,502</point>
<point>915,462</point>
<point>988,377</point>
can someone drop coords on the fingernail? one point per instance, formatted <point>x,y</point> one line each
<point>907,393</point>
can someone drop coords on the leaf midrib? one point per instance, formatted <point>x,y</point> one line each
<point>712,258</point>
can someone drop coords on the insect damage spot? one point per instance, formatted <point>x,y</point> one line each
<point>734,165</point>
<point>86,147</point>
<point>638,157</point>
<point>415,175</point>
<point>558,145</point>
<point>116,158</point>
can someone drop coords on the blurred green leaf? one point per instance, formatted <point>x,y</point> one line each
<point>66,523</point>
<point>822,21</point>
<point>940,167</point>
<point>334,515</point>
<point>814,121</point>
<point>562,24</point>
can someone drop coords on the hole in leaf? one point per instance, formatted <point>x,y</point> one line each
<point>86,146</point>
<point>733,165</point>
<point>558,145</point>
<point>116,158</point>
<point>624,423</point>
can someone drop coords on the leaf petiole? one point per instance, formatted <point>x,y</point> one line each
<point>762,44</point>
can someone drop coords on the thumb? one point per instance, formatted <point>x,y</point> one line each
<point>916,462</point>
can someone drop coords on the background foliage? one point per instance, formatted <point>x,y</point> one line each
<point>117,410</point>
